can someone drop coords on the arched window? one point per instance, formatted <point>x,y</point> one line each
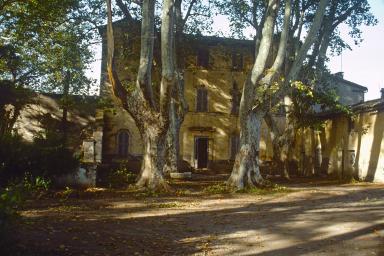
<point>122,143</point>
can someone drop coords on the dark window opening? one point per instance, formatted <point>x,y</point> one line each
<point>236,97</point>
<point>203,58</point>
<point>202,100</point>
<point>237,61</point>
<point>201,152</point>
<point>122,143</point>
<point>235,145</point>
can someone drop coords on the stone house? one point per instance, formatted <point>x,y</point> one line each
<point>214,72</point>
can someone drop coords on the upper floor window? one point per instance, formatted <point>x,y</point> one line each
<point>122,143</point>
<point>203,57</point>
<point>236,97</point>
<point>201,100</point>
<point>237,61</point>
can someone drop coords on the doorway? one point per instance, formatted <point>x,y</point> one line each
<point>201,152</point>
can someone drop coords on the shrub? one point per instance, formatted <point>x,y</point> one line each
<point>121,177</point>
<point>44,157</point>
<point>12,198</point>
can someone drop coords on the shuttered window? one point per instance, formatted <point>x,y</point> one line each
<point>201,100</point>
<point>123,143</point>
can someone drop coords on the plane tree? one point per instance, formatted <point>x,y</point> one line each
<point>303,28</point>
<point>151,114</point>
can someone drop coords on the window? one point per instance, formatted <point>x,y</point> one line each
<point>203,58</point>
<point>237,61</point>
<point>236,97</point>
<point>122,143</point>
<point>201,100</point>
<point>235,145</point>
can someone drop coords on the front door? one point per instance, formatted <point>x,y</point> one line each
<point>201,152</point>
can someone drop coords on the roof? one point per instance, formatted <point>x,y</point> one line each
<point>336,77</point>
<point>367,106</point>
<point>210,40</point>
<point>376,104</point>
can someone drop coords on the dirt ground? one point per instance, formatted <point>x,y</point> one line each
<point>314,218</point>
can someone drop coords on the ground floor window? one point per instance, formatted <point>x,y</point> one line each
<point>122,143</point>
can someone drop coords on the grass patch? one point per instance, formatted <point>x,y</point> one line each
<point>220,188</point>
<point>274,189</point>
<point>168,205</point>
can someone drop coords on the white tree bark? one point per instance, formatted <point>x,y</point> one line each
<point>254,104</point>
<point>152,120</point>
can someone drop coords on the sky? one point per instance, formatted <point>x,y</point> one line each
<point>363,65</point>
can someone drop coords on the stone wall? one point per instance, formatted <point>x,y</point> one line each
<point>352,148</point>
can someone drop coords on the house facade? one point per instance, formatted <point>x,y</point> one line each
<point>214,73</point>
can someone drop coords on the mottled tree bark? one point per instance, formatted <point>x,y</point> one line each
<point>151,119</point>
<point>279,143</point>
<point>254,104</point>
<point>178,106</point>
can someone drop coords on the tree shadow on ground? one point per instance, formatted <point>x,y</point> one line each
<point>302,223</point>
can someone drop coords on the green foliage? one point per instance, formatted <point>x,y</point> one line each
<point>121,177</point>
<point>35,185</point>
<point>44,157</point>
<point>12,198</point>
<point>306,99</point>
<point>42,40</point>
<point>270,190</point>
<point>222,188</point>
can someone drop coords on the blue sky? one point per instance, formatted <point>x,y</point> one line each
<point>363,65</point>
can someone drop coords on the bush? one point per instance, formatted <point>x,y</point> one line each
<point>12,198</point>
<point>121,177</point>
<point>45,157</point>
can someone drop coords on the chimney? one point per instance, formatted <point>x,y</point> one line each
<point>382,93</point>
<point>339,74</point>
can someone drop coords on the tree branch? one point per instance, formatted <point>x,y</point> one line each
<point>123,7</point>
<point>188,13</point>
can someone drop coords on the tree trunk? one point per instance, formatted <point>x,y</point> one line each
<point>172,141</point>
<point>278,141</point>
<point>151,119</point>
<point>151,175</point>
<point>246,170</point>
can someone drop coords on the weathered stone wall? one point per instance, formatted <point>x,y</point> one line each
<point>45,113</point>
<point>352,148</point>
